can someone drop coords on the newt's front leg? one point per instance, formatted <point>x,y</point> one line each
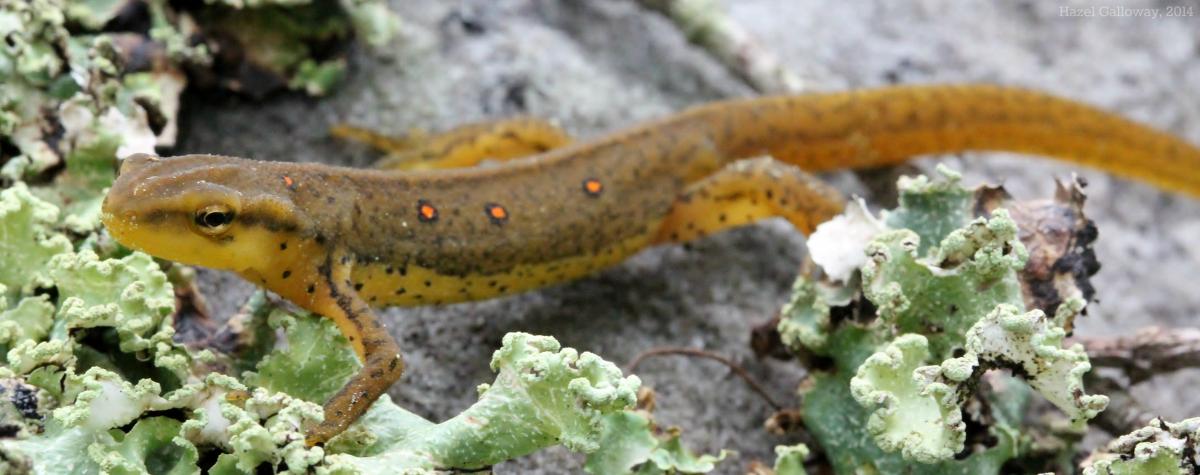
<point>334,297</point>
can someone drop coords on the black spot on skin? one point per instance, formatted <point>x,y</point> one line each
<point>311,288</point>
<point>503,289</point>
<point>428,283</point>
<point>283,246</point>
<point>320,239</point>
<point>358,286</point>
<point>400,291</point>
<point>287,273</point>
<point>389,270</point>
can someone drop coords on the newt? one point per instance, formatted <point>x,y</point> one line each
<point>432,228</point>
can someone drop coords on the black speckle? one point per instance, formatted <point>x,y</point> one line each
<point>400,291</point>
<point>428,283</point>
<point>389,270</point>
<point>287,273</point>
<point>283,246</point>
<point>358,286</point>
<point>329,199</point>
<point>26,402</point>
<point>311,288</point>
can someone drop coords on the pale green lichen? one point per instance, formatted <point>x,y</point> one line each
<point>27,240</point>
<point>935,305</point>
<point>630,445</point>
<point>932,208</point>
<point>543,394</point>
<point>913,413</point>
<point>789,459</point>
<point>1160,448</point>
<point>152,446</point>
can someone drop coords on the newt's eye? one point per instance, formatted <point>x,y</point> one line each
<point>214,219</point>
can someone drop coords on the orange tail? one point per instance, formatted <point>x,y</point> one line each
<point>889,125</point>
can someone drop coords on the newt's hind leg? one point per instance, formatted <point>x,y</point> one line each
<point>463,146</point>
<point>746,191</point>
<point>335,298</point>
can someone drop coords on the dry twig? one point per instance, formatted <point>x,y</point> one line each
<point>737,369</point>
<point>1151,351</point>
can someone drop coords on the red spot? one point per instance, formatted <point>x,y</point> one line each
<point>592,187</point>
<point>496,213</point>
<point>426,212</point>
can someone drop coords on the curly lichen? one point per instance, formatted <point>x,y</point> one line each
<point>933,308</point>
<point>913,412</point>
<point>631,444</point>
<point>789,459</point>
<point>1160,448</point>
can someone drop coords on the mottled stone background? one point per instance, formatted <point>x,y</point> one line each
<point>597,65</point>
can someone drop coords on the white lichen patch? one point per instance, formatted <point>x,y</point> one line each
<point>1030,344</point>
<point>837,245</point>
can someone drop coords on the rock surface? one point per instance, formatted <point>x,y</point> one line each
<point>594,66</point>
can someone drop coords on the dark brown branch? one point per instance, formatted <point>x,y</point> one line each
<point>737,369</point>
<point>1150,352</point>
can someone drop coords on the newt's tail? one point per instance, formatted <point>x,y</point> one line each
<point>889,125</point>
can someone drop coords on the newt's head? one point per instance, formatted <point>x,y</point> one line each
<point>199,209</point>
